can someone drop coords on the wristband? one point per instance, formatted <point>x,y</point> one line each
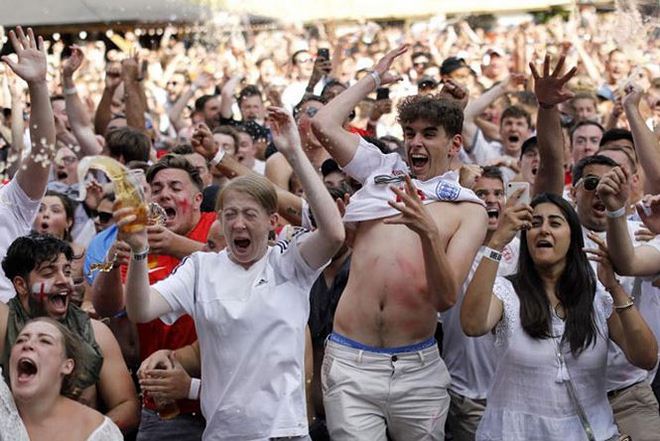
<point>616,213</point>
<point>492,254</point>
<point>546,106</point>
<point>70,91</point>
<point>376,77</point>
<point>141,255</point>
<point>195,385</point>
<point>218,157</point>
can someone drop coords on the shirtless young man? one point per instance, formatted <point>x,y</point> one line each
<point>382,370</point>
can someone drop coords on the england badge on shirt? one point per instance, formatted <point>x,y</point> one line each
<point>447,191</point>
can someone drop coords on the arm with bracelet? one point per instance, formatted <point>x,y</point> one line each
<point>329,121</point>
<point>613,189</point>
<point>627,327</point>
<point>481,309</point>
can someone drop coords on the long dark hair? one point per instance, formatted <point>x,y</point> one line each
<point>575,289</point>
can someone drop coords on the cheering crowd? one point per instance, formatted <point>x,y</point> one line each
<point>395,233</point>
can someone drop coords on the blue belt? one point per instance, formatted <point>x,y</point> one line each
<point>345,341</point>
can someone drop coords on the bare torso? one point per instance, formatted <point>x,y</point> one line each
<point>386,302</point>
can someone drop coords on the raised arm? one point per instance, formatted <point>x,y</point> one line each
<point>103,113</point>
<point>107,288</point>
<point>550,91</point>
<point>613,189</point>
<point>646,144</point>
<point>481,309</point>
<point>328,122</point>
<point>626,325</point>
<point>325,241</point>
<point>133,102</point>
<point>202,81</point>
<point>289,205</point>
<point>31,67</point>
<point>477,107</point>
<point>79,120</point>
<point>17,125</point>
<point>227,98</point>
<point>143,304</point>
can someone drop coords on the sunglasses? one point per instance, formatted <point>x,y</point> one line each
<point>590,182</point>
<point>104,216</point>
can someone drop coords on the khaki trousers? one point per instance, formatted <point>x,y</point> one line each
<point>636,412</point>
<point>464,416</point>
<point>368,394</point>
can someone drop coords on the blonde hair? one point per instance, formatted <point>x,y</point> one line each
<point>257,187</point>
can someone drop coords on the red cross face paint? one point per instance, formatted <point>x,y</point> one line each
<point>47,298</point>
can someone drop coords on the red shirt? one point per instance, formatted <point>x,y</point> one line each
<point>157,335</point>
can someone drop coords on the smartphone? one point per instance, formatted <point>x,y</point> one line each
<point>382,93</point>
<point>324,53</point>
<point>513,186</point>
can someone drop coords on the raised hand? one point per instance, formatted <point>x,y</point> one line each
<point>632,97</point>
<point>549,88</point>
<point>31,65</point>
<point>203,80</point>
<point>649,211</point>
<point>284,130</point>
<point>516,217</point>
<point>513,81</point>
<point>605,272</point>
<point>384,64</point>
<point>112,76</point>
<point>130,67</point>
<point>203,143</point>
<point>613,188</point>
<point>454,91</point>
<point>137,240</point>
<point>414,214</point>
<point>321,67</point>
<point>71,64</point>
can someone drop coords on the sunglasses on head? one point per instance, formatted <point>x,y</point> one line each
<point>590,182</point>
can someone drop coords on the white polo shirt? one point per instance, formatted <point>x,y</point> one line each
<point>251,328</point>
<point>17,213</point>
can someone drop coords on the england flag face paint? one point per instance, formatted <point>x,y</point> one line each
<point>47,298</point>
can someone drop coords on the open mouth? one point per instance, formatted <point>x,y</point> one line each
<point>418,161</point>
<point>513,139</point>
<point>59,301</point>
<point>240,158</point>
<point>543,244</point>
<point>493,213</point>
<point>599,207</point>
<point>26,369</point>
<point>62,175</point>
<point>534,171</point>
<point>170,213</point>
<point>44,226</point>
<point>242,244</point>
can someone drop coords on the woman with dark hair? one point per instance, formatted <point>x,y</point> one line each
<point>552,321</point>
<point>42,366</point>
<point>56,217</point>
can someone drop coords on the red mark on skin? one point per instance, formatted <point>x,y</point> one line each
<point>184,205</point>
<point>42,294</point>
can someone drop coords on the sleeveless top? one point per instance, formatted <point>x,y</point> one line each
<point>78,322</point>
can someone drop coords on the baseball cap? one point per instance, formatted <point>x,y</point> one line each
<point>451,64</point>
<point>329,166</point>
<point>427,82</point>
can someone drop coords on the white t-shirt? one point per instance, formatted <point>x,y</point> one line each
<point>17,213</point>
<point>251,328</point>
<point>377,172</point>
<point>471,361</point>
<point>484,151</point>
<point>259,167</point>
<point>620,372</point>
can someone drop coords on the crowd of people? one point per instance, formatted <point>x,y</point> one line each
<point>440,231</point>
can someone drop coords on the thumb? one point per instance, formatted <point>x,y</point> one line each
<point>174,362</point>
<point>9,62</point>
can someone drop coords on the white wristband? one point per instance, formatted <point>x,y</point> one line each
<point>376,76</point>
<point>491,254</point>
<point>70,91</point>
<point>195,385</point>
<point>218,157</point>
<point>616,213</point>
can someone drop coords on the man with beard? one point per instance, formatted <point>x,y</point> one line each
<point>177,187</point>
<point>39,267</point>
